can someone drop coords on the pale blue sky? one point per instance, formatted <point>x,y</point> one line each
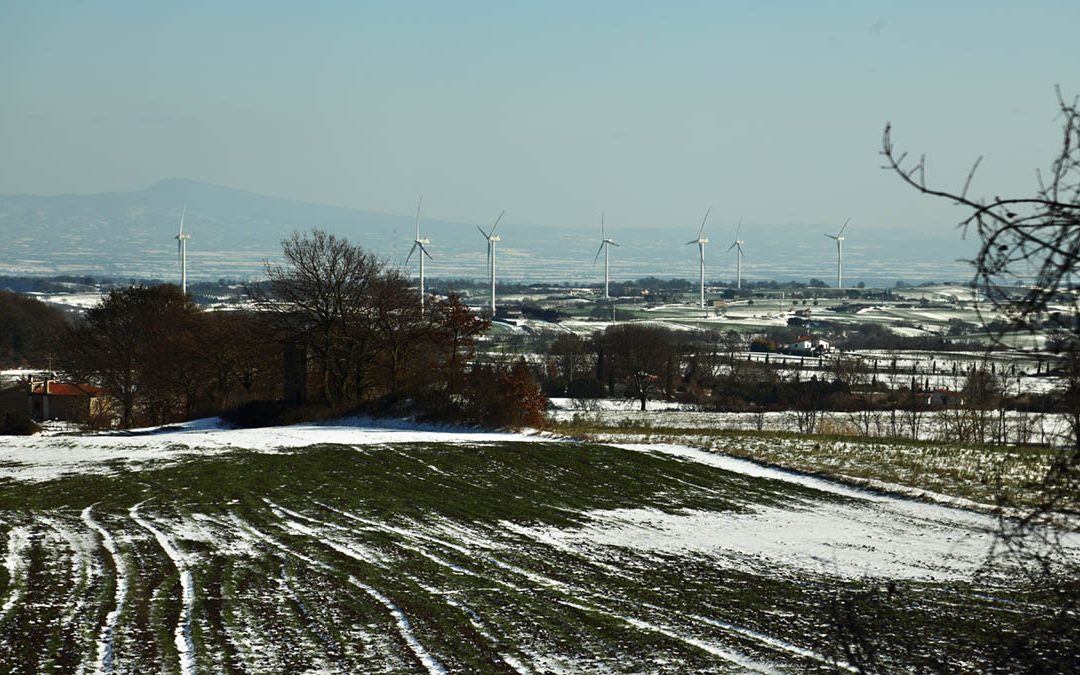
<point>552,110</point>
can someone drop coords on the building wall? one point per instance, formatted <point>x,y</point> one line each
<point>65,408</point>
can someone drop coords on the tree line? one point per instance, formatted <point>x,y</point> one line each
<point>333,324</point>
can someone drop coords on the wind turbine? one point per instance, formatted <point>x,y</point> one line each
<point>419,243</point>
<point>839,237</point>
<point>737,245</point>
<point>701,241</point>
<point>181,252</point>
<point>491,238</point>
<point>605,243</point>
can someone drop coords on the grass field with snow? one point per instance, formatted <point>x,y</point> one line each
<point>355,549</point>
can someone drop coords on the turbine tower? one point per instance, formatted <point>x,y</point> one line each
<point>605,245</point>
<point>181,252</point>
<point>737,245</point>
<point>419,243</point>
<point>701,241</point>
<point>491,238</point>
<point>839,237</point>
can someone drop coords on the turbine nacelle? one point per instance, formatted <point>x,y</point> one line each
<point>491,238</point>
<point>490,234</point>
<point>701,241</point>
<point>839,239</point>
<point>738,243</point>
<point>181,251</point>
<point>839,236</point>
<point>419,244</point>
<point>603,243</point>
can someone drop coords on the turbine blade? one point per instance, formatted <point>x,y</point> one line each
<point>844,227</point>
<point>599,251</point>
<point>423,250</point>
<point>485,234</point>
<point>703,222</point>
<point>496,222</point>
<point>733,246</point>
<point>182,214</point>
<point>411,251</point>
<point>832,236</point>
<point>418,203</point>
<point>693,241</point>
<point>180,254</point>
<point>739,228</point>
<point>612,243</point>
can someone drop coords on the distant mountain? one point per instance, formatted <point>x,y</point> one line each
<point>130,235</point>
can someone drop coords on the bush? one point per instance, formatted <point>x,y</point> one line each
<point>256,414</point>
<point>586,387</point>
<point>497,396</point>
<point>272,413</point>
<point>17,424</point>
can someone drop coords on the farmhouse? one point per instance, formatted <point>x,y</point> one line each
<point>54,400</point>
<point>808,345</point>
<point>943,398</point>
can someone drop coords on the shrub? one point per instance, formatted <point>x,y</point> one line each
<point>586,387</point>
<point>497,396</point>
<point>17,424</point>
<point>255,414</point>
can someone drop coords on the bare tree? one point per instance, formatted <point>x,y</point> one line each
<point>320,296</point>
<point>1032,241</point>
<point>568,350</point>
<point>131,343</point>
<point>641,357</point>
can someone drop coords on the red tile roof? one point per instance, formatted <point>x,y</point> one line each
<point>66,389</point>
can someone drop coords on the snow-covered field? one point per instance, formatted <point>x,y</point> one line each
<point>943,425</point>
<point>74,301</point>
<point>366,546</point>
<point>52,455</point>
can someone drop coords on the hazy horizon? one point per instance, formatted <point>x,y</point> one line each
<point>132,235</point>
<point>651,113</point>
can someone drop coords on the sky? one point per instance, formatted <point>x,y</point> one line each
<point>554,111</point>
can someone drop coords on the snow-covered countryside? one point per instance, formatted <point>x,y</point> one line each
<point>388,547</point>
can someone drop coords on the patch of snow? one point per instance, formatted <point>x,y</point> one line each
<point>404,628</point>
<point>17,544</point>
<point>609,404</point>
<point>108,630</point>
<point>874,535</point>
<point>843,540</point>
<point>185,644</point>
<point>39,458</point>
